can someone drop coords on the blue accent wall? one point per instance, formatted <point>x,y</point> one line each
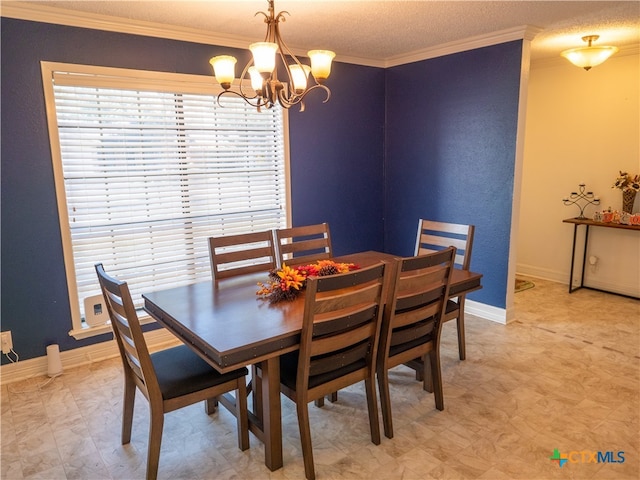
<point>367,168</point>
<point>450,153</point>
<point>336,163</point>
<point>337,160</point>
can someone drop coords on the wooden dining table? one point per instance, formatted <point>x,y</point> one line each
<point>229,326</point>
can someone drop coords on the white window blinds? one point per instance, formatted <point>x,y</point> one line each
<point>150,174</point>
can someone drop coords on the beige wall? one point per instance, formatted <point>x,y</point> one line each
<point>581,127</point>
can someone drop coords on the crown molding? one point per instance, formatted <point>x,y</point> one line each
<point>72,18</point>
<point>525,32</point>
<point>59,16</point>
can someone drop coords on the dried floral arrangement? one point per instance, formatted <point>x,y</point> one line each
<point>627,182</point>
<point>287,282</point>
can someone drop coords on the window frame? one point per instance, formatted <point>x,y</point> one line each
<point>131,79</point>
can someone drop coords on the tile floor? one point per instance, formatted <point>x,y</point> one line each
<point>565,374</point>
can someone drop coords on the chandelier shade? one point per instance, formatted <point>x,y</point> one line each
<point>224,70</point>
<point>589,56</point>
<point>321,63</point>
<point>268,59</point>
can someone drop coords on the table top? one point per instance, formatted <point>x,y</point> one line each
<point>593,223</point>
<point>229,325</point>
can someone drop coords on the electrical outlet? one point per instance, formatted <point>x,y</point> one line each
<point>7,342</point>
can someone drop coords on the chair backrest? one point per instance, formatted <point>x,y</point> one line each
<point>435,236</point>
<point>241,254</point>
<point>416,303</point>
<point>341,327</point>
<point>128,334</point>
<point>301,245</point>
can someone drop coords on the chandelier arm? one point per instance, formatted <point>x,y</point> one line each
<point>283,48</point>
<point>292,97</point>
<point>260,102</point>
<point>244,76</point>
<point>323,87</point>
<point>267,18</point>
<point>298,98</point>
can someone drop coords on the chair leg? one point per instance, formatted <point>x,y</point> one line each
<point>427,377</point>
<point>256,387</point>
<point>127,408</point>
<point>436,375</point>
<point>242,416</point>
<point>385,401</point>
<point>460,324</point>
<point>210,405</point>
<point>372,405</point>
<point>333,398</point>
<point>155,441</point>
<point>305,439</point>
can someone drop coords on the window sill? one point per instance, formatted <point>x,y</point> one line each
<point>87,332</point>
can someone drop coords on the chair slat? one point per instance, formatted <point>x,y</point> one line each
<point>327,344</point>
<point>258,253</point>
<point>336,303</point>
<point>242,254</point>
<point>459,243</point>
<point>412,316</point>
<point>339,360</point>
<point>304,244</point>
<point>444,234</point>
<point>313,244</point>
<point>416,331</point>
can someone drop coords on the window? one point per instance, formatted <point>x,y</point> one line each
<point>148,166</point>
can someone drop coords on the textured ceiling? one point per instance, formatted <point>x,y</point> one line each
<point>382,30</point>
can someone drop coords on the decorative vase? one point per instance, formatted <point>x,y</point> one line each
<point>628,197</point>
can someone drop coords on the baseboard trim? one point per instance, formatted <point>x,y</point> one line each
<point>156,340</point>
<point>612,285</point>
<point>488,312</point>
<point>543,273</point>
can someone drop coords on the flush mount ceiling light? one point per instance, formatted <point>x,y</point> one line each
<point>262,70</point>
<point>589,56</point>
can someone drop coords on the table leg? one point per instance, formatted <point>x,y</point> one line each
<point>584,254</point>
<point>573,257</point>
<point>271,413</point>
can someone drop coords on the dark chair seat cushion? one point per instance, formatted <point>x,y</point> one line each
<point>289,371</point>
<point>180,372</point>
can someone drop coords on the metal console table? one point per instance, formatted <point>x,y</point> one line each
<point>590,223</point>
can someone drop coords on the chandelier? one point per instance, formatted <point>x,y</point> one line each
<point>262,70</point>
<point>589,56</point>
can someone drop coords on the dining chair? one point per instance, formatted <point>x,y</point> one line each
<point>241,254</point>
<point>338,345</point>
<point>301,245</point>
<point>169,379</point>
<point>435,236</point>
<point>412,323</point>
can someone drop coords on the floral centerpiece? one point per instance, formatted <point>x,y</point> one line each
<point>287,282</point>
<point>630,185</point>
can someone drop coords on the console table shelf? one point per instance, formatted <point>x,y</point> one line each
<point>590,223</point>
